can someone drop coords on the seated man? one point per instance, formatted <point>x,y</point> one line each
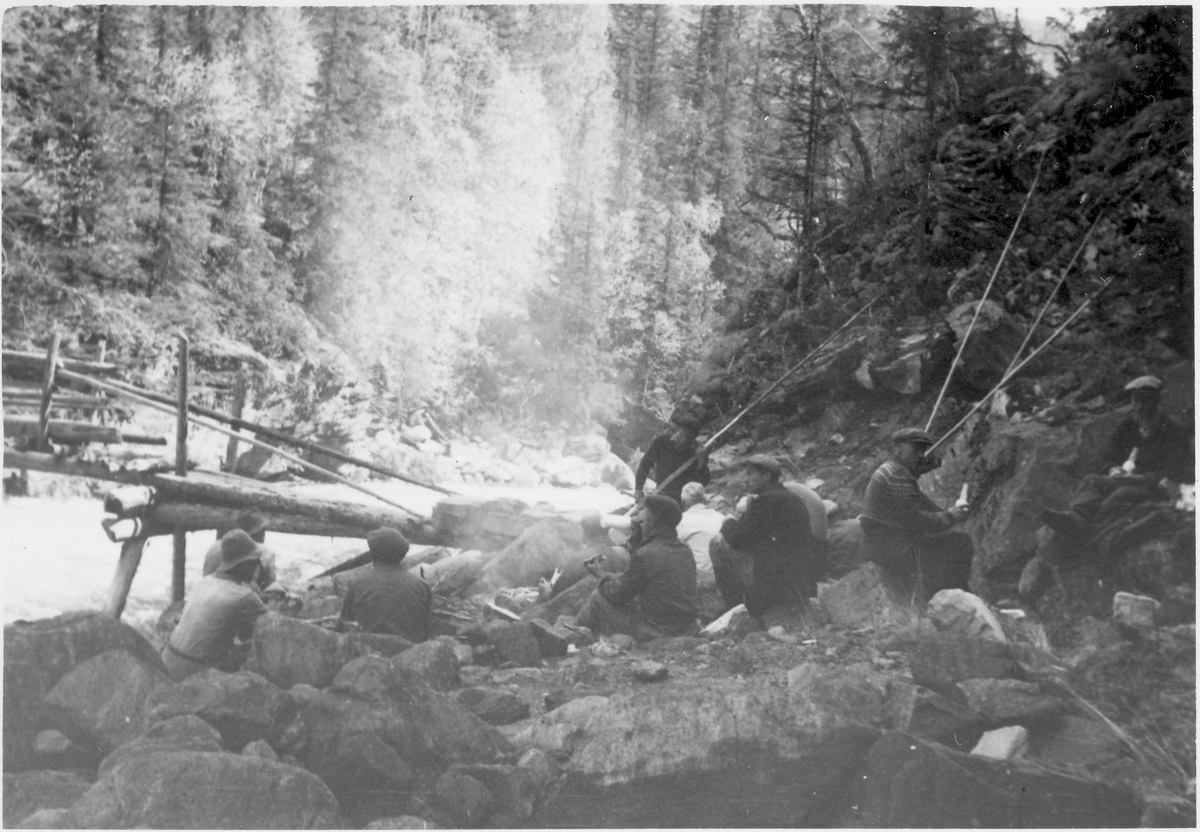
<point>1149,455</point>
<point>906,533</point>
<point>776,534</point>
<point>255,525</point>
<point>595,542</point>
<point>700,524</point>
<point>388,598</point>
<point>221,607</point>
<point>656,596</point>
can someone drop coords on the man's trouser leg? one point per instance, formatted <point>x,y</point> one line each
<point>732,571</point>
<point>945,561</point>
<point>1093,490</point>
<point>603,617</point>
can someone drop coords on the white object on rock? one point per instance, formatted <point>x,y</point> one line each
<point>724,621</point>
<point>959,611</point>
<point>1134,610</point>
<point>1003,743</point>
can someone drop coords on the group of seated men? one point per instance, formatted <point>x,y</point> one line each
<point>768,556</point>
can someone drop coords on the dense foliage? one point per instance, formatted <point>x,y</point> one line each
<point>548,212</point>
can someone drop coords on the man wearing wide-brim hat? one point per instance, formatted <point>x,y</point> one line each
<point>656,596</point>
<point>775,532</point>
<point>389,598</point>
<point>1149,455</point>
<point>221,609</point>
<point>908,534</point>
<point>255,525</point>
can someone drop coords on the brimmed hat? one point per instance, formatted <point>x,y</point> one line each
<point>665,510</point>
<point>1145,386</point>
<point>387,544</point>
<point>914,435</point>
<point>765,462</point>
<point>251,522</point>
<point>237,548</point>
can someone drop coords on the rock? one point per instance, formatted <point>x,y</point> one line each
<point>835,697</point>
<point>260,748</point>
<point>557,698</point>
<point>287,651</point>
<point>455,573</point>
<point>911,783</point>
<point>957,611</point>
<point>990,343</point>
<point>1003,743</point>
<point>205,790</point>
<point>368,776</point>
<point>616,472</point>
<point>54,750</point>
<point>557,733</point>
<point>37,654</point>
<point>845,547</point>
<point>1074,740</point>
<point>301,694</point>
<point>495,707</point>
<point>542,768</point>
<point>544,546</point>
<point>1008,699</point>
<point>434,661</point>
<point>1134,611</point>
<point>514,641</point>
<point>512,789</point>
<point>101,703</point>
<point>864,597</point>
<point>242,706</point>
<point>47,819</point>
<point>930,716</point>
<point>32,791</point>
<point>552,641</point>
<point>1155,566</point>
<point>402,822</point>
<point>182,733</point>
<point>940,660</point>
<point>566,603</point>
<point>467,801</point>
<point>358,644</point>
<point>648,671</point>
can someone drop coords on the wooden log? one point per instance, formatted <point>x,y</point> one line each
<point>43,434</point>
<point>68,432</point>
<point>30,365</point>
<point>239,404</point>
<point>51,464</point>
<point>127,500</point>
<point>179,562</point>
<point>161,518</point>
<point>58,401</point>
<point>127,565</point>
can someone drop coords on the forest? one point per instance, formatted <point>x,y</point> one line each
<point>547,213</point>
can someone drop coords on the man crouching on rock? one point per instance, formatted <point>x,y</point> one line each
<point>656,596</point>
<point>388,598</point>
<point>222,606</point>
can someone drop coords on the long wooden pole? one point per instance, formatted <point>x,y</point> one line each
<point>962,345</point>
<point>179,537</point>
<point>1009,375</point>
<point>712,439</point>
<point>148,402</point>
<point>283,438</point>
<point>239,403</point>
<point>43,435</point>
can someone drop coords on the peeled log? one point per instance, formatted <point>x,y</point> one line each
<point>75,433</point>
<point>199,516</point>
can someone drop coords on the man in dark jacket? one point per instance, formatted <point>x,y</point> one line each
<point>776,534</point>
<point>656,596</point>
<point>666,454</point>
<point>906,532</point>
<point>388,598</point>
<point>1149,455</point>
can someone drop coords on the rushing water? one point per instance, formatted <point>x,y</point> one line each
<point>55,556</point>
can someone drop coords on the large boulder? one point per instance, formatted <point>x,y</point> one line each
<point>101,703</point>
<point>929,715</point>
<point>434,661</point>
<point>911,783</point>
<point>243,706</point>
<point>32,791</point>
<point>514,642</point>
<point>287,651</point>
<point>958,611</point>
<point>940,660</point>
<point>541,548</point>
<point>37,654</point>
<point>206,790</point>
<point>865,597</point>
<point>181,733</point>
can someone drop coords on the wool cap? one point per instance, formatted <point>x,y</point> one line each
<point>387,545</point>
<point>914,435</point>
<point>1145,385</point>
<point>251,522</point>
<point>237,548</point>
<point>765,462</point>
<point>665,510</point>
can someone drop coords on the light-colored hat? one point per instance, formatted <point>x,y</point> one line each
<point>1145,384</point>
<point>237,548</point>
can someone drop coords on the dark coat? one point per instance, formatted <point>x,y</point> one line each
<point>777,534</point>
<point>1166,452</point>
<point>663,458</point>
<point>662,575</point>
<point>389,599</point>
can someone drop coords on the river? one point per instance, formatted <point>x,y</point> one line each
<point>56,557</point>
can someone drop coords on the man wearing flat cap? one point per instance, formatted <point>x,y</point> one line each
<point>906,533</point>
<point>388,598</point>
<point>776,533</point>
<point>1149,455</point>
<point>255,525</point>
<point>656,596</point>
<point>220,609</point>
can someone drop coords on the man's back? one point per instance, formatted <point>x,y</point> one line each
<point>389,599</point>
<point>216,611</point>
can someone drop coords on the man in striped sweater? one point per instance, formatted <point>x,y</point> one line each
<point>906,532</point>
